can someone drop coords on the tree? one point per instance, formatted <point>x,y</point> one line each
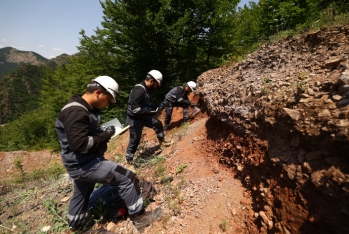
<point>244,33</point>
<point>182,39</point>
<point>281,15</point>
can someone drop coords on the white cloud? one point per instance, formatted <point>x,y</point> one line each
<point>41,46</point>
<point>3,39</point>
<point>57,49</point>
<point>2,46</point>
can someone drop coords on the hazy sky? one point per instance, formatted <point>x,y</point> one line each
<point>49,27</point>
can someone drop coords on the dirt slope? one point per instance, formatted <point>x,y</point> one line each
<point>283,120</point>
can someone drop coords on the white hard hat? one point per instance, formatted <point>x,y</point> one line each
<point>109,84</point>
<point>192,85</point>
<point>156,75</point>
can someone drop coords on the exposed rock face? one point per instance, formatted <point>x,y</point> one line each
<point>287,109</point>
<point>16,56</point>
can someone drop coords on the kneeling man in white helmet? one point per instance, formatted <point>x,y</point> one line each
<point>83,144</point>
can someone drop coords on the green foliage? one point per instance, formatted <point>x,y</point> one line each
<point>333,15</point>
<point>20,91</point>
<point>53,170</point>
<point>182,39</point>
<point>160,168</point>
<point>173,196</point>
<point>32,131</point>
<point>7,67</point>
<point>243,33</point>
<point>281,15</point>
<point>223,225</point>
<point>20,178</point>
<point>181,168</point>
<point>59,223</point>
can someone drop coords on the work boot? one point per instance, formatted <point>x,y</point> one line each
<point>145,218</point>
<point>129,160</point>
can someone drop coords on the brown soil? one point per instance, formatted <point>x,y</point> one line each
<point>30,161</point>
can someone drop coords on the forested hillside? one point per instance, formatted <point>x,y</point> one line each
<point>20,91</point>
<point>182,39</point>
<point>11,58</point>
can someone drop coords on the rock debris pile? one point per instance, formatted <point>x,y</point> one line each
<point>287,110</point>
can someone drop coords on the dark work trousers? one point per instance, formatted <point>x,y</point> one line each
<point>136,128</point>
<point>102,171</point>
<point>169,109</point>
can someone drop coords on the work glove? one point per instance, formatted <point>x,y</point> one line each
<point>102,148</point>
<point>107,134</point>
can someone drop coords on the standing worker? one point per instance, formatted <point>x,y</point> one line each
<point>178,96</point>
<point>142,113</point>
<point>83,145</point>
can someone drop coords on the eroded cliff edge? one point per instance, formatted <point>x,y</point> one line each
<point>282,122</point>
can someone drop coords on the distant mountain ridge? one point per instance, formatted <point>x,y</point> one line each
<point>16,56</point>
<point>21,79</point>
<point>11,58</point>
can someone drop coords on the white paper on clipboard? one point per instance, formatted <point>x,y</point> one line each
<point>119,128</point>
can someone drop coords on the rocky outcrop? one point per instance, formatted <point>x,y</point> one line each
<point>287,108</point>
<point>16,56</point>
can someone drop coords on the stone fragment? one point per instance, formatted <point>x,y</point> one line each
<point>344,78</point>
<point>234,212</point>
<point>336,97</point>
<point>306,100</point>
<point>324,114</point>
<point>293,114</point>
<point>310,92</point>
<point>333,62</point>
<point>343,123</point>
<point>65,199</point>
